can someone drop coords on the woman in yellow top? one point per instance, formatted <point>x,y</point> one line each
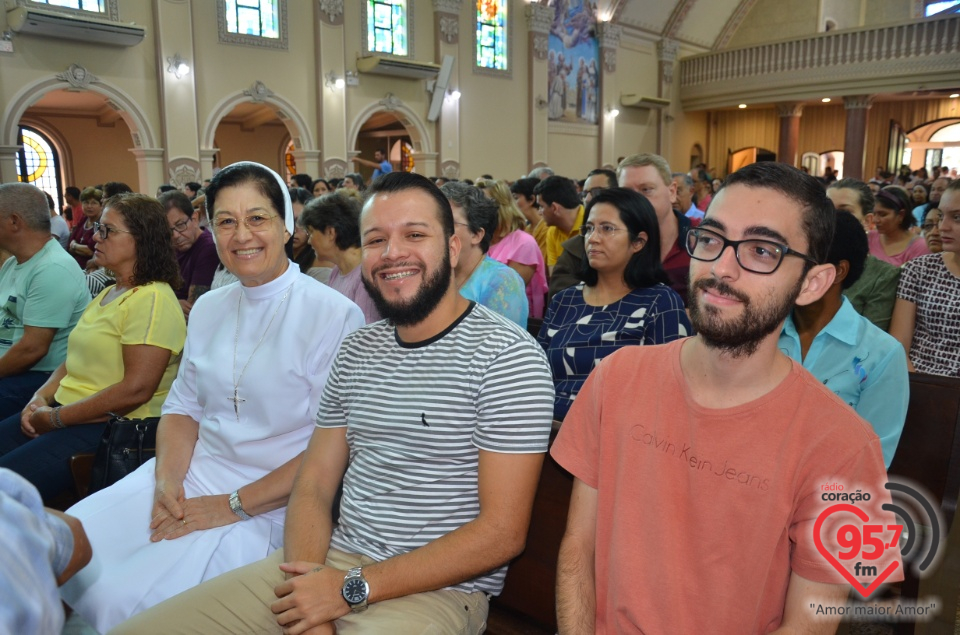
<point>121,357</point>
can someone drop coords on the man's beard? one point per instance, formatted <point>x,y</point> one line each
<point>740,337</point>
<point>421,305</point>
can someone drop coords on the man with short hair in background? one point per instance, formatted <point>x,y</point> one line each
<point>380,164</point>
<point>562,212</point>
<point>649,174</point>
<point>42,296</point>
<point>685,204</point>
<point>196,251</point>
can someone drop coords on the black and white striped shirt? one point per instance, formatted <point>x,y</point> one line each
<point>416,416</point>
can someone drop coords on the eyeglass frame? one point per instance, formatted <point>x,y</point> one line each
<point>243,219</point>
<point>179,230</point>
<point>104,230</point>
<point>588,228</point>
<point>785,250</point>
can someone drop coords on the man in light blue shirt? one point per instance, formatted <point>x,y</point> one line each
<point>379,164</point>
<point>863,365</point>
<point>39,550</point>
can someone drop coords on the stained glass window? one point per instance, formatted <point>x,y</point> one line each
<point>37,163</point>
<point>387,26</point>
<point>934,8</point>
<point>253,17</point>
<point>81,5</point>
<point>492,34</point>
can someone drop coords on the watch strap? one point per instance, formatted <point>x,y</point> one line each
<point>237,507</point>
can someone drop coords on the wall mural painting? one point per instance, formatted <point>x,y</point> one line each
<point>573,62</point>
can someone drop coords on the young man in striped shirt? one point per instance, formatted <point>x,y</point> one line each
<point>436,419</point>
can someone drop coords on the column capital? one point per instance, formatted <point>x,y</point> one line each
<point>667,50</point>
<point>789,110</point>
<point>858,102</point>
<point>447,6</point>
<point>331,12</point>
<point>148,154</point>
<point>539,18</point>
<point>608,34</point>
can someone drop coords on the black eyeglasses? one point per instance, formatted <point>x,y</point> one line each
<point>756,256</point>
<point>104,230</point>
<point>180,226</point>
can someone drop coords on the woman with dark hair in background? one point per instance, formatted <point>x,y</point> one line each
<point>332,225</point>
<point>300,250</point>
<point>930,229</point>
<point>892,240</point>
<point>320,187</point>
<point>81,237</point>
<point>121,357</point>
<point>625,298</point>
<point>235,423</point>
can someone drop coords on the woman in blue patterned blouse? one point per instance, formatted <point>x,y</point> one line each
<point>625,299</point>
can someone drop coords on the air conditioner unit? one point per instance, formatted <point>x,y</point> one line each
<point>73,27</point>
<point>633,100</point>
<point>397,67</point>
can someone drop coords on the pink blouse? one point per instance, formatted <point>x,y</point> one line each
<point>917,247</point>
<point>522,248</point>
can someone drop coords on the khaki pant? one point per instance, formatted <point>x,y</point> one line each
<point>239,602</point>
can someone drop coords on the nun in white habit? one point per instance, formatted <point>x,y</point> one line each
<point>235,424</point>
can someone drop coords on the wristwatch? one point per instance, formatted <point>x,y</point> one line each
<point>355,590</point>
<point>237,507</point>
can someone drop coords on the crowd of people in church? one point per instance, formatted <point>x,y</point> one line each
<point>357,381</point>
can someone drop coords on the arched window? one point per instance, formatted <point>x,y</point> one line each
<point>492,34</point>
<point>38,163</point>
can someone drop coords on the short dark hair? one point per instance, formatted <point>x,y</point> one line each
<point>73,191</point>
<point>324,181</point>
<point>303,180</point>
<point>240,173</point>
<point>337,211</point>
<point>166,187</point>
<point>399,181</point>
<point>560,190</point>
<point>610,174</point>
<point>300,195</point>
<point>193,185</point>
<point>357,179</point>
<point>862,189</point>
<point>146,221</point>
<point>112,188</point>
<point>524,187</point>
<point>818,215</point>
<point>176,199</point>
<point>91,194</point>
<point>482,213</point>
<point>896,198</point>
<point>644,268</point>
<point>850,244</point>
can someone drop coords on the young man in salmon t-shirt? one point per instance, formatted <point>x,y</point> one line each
<point>697,490</point>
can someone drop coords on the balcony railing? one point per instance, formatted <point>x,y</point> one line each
<point>819,55</point>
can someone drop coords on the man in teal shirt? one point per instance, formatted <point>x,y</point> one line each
<point>43,293</point>
<point>862,364</point>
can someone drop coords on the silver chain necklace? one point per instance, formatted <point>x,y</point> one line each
<point>236,399</point>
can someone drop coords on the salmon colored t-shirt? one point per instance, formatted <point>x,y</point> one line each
<point>704,513</point>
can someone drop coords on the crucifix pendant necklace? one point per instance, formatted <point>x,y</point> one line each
<point>236,399</point>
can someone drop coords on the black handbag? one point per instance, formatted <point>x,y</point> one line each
<point>125,445</point>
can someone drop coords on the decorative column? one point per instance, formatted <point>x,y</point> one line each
<point>308,161</point>
<point>425,163</point>
<point>331,101</point>
<point>8,164</point>
<point>856,134</point>
<point>180,128</point>
<point>150,166</point>
<point>789,132</point>
<point>667,50</point>
<point>539,19</point>
<point>446,29</point>
<point>207,156</point>
<point>608,35</point>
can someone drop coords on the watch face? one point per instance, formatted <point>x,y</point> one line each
<point>355,591</point>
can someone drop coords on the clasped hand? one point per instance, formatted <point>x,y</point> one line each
<point>310,600</point>
<point>174,515</point>
<point>36,418</point>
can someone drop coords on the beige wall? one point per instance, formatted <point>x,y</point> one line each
<point>773,20</point>
<point>264,144</point>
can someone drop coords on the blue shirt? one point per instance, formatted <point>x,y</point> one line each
<point>500,289</point>
<point>35,548</point>
<point>863,365</point>
<point>384,168</point>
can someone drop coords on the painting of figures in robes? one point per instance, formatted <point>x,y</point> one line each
<point>573,80</point>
